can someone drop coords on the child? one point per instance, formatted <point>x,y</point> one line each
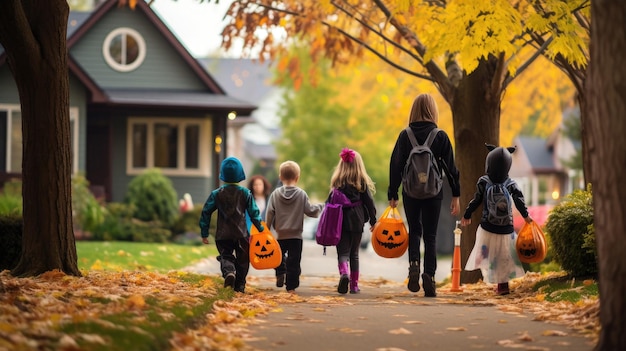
<point>232,202</point>
<point>351,178</point>
<point>286,208</point>
<point>494,250</point>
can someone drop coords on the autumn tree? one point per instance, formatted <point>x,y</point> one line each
<point>606,108</point>
<point>471,51</point>
<point>364,105</point>
<point>33,34</point>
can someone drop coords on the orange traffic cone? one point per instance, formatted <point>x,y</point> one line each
<point>456,260</point>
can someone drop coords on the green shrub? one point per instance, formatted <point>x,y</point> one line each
<point>570,228</point>
<point>188,222</point>
<point>88,213</point>
<point>153,196</point>
<point>119,225</point>
<point>10,205</point>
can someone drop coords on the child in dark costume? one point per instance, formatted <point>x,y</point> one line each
<point>232,202</point>
<point>494,250</point>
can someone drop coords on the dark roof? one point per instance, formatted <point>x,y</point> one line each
<point>245,79</point>
<point>75,20</point>
<point>213,97</point>
<point>176,99</point>
<point>538,153</point>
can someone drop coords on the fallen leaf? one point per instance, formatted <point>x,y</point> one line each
<point>400,331</point>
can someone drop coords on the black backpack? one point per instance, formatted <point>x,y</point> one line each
<point>422,178</point>
<point>498,202</point>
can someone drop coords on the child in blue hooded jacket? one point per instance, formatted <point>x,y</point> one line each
<point>232,201</point>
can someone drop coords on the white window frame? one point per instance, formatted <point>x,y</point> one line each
<point>74,136</point>
<point>204,147</point>
<point>124,32</point>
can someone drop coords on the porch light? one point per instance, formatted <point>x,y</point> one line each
<point>555,195</point>
<point>218,143</point>
<point>232,115</point>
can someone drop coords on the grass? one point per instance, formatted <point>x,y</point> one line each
<point>567,289</point>
<point>157,257</point>
<point>151,331</point>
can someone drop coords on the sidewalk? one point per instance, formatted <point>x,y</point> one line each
<point>386,316</point>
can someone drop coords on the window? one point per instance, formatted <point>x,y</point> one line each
<point>176,146</point>
<point>11,134</point>
<point>124,49</point>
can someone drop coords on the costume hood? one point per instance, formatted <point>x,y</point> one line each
<point>498,162</point>
<point>231,170</point>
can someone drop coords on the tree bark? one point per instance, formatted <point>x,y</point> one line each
<point>33,34</point>
<point>476,118</point>
<point>606,106</point>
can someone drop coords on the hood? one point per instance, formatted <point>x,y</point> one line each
<point>231,170</point>
<point>498,162</point>
<point>287,194</point>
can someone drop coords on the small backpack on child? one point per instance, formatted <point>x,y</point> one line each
<point>422,178</point>
<point>328,231</point>
<point>498,202</point>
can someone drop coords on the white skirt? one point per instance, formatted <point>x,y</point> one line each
<point>495,256</point>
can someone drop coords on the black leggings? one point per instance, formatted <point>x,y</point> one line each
<point>348,249</point>
<point>423,218</point>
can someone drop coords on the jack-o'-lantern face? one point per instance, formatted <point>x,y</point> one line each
<point>265,251</point>
<point>527,248</point>
<point>263,248</point>
<point>390,241</point>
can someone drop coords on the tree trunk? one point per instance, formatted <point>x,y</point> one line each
<point>606,106</point>
<point>33,34</point>
<point>476,117</point>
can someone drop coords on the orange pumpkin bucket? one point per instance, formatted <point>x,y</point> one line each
<point>389,237</point>
<point>531,244</point>
<point>265,251</point>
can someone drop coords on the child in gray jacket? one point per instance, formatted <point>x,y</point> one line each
<point>286,209</point>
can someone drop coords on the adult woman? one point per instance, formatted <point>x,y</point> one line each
<point>261,189</point>
<point>423,214</point>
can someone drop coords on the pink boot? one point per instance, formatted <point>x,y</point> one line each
<point>354,282</point>
<point>344,280</point>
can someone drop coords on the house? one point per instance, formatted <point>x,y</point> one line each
<point>251,138</point>
<point>540,169</point>
<point>138,100</point>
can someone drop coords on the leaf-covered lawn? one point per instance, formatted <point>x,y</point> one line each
<point>114,307</point>
<point>118,255</point>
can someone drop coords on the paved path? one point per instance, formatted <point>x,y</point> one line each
<point>386,316</point>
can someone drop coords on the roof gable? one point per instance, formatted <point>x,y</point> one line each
<point>167,66</point>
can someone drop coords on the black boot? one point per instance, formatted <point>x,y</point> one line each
<point>429,285</point>
<point>414,276</point>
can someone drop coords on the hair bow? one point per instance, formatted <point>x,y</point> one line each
<point>347,155</point>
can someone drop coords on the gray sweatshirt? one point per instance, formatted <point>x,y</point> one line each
<point>286,209</point>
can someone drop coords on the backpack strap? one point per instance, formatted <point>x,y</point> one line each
<point>411,135</point>
<point>431,136</point>
<point>429,139</point>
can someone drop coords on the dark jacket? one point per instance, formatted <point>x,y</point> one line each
<point>518,200</point>
<point>441,148</point>
<point>355,217</point>
<point>231,201</point>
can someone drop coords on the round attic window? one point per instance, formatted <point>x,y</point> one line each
<point>124,49</point>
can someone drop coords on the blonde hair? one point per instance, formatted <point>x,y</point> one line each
<point>424,109</point>
<point>289,170</point>
<point>352,173</point>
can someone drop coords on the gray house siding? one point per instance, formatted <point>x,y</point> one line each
<point>8,89</point>
<point>197,187</point>
<point>163,68</point>
<point>78,99</point>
